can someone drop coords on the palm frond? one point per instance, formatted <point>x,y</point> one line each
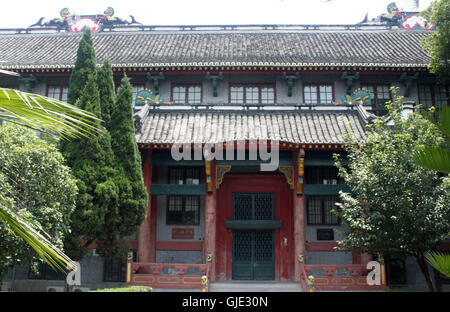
<point>440,262</point>
<point>28,231</point>
<point>437,159</point>
<point>45,114</point>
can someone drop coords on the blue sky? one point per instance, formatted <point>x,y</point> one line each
<point>189,12</point>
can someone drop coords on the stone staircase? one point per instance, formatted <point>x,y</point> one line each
<point>254,286</point>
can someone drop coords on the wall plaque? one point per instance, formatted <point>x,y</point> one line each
<point>325,234</point>
<point>178,233</point>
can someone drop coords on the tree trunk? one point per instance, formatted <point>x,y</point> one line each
<point>423,267</point>
<point>437,280</point>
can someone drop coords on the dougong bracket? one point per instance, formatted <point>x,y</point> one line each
<point>155,81</point>
<point>349,81</point>
<point>214,79</point>
<point>290,79</point>
<point>29,82</point>
<point>408,81</point>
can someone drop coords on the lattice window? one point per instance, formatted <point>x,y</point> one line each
<point>318,94</point>
<point>314,210</point>
<point>58,92</point>
<point>267,95</point>
<point>380,95</point>
<point>237,95</point>
<point>187,95</point>
<point>323,175</point>
<point>183,210</point>
<point>310,95</point>
<point>252,94</point>
<point>425,96</point>
<point>250,207</point>
<point>184,175</point>
<point>325,94</point>
<point>320,210</point>
<point>430,95</point>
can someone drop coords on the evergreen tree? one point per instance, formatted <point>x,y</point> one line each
<point>105,82</point>
<point>123,141</point>
<point>92,163</point>
<point>85,65</point>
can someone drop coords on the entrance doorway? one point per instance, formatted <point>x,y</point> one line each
<point>253,255</point>
<point>254,238</point>
<point>253,250</point>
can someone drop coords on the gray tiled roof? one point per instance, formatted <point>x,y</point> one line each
<point>227,48</point>
<point>316,127</point>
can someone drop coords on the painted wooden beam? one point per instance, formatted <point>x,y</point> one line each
<point>176,189</point>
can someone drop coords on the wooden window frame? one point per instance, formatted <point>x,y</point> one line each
<point>322,169</point>
<point>374,85</point>
<point>185,169</point>
<point>318,85</point>
<point>433,93</point>
<point>61,88</point>
<point>322,211</point>
<point>258,85</point>
<point>187,85</point>
<point>183,206</point>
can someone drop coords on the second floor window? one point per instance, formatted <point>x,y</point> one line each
<point>58,92</point>
<point>252,94</point>
<point>323,175</point>
<point>379,95</point>
<point>187,94</point>
<point>431,95</point>
<point>318,94</point>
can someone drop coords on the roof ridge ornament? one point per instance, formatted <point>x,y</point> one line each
<point>79,23</point>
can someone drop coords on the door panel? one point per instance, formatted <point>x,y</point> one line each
<point>253,255</point>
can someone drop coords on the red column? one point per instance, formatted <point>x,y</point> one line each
<point>299,207</point>
<point>146,253</point>
<point>210,218</point>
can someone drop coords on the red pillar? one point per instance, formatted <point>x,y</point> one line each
<point>299,207</point>
<point>210,218</point>
<point>146,252</point>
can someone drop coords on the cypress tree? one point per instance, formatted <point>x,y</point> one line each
<point>123,142</point>
<point>92,163</point>
<point>85,65</point>
<point>105,82</point>
<point>91,160</point>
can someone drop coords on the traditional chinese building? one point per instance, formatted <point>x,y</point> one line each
<point>259,95</point>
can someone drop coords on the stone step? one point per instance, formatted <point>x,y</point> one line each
<point>254,286</point>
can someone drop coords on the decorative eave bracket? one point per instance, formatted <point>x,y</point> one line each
<point>221,170</point>
<point>288,172</point>
<point>408,81</point>
<point>155,81</point>
<point>349,81</point>
<point>214,79</point>
<point>29,82</point>
<point>290,79</point>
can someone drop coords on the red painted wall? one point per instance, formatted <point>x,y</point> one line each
<point>284,255</point>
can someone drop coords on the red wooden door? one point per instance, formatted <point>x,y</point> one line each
<point>283,236</point>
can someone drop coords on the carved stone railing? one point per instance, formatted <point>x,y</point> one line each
<point>341,277</point>
<point>166,275</point>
